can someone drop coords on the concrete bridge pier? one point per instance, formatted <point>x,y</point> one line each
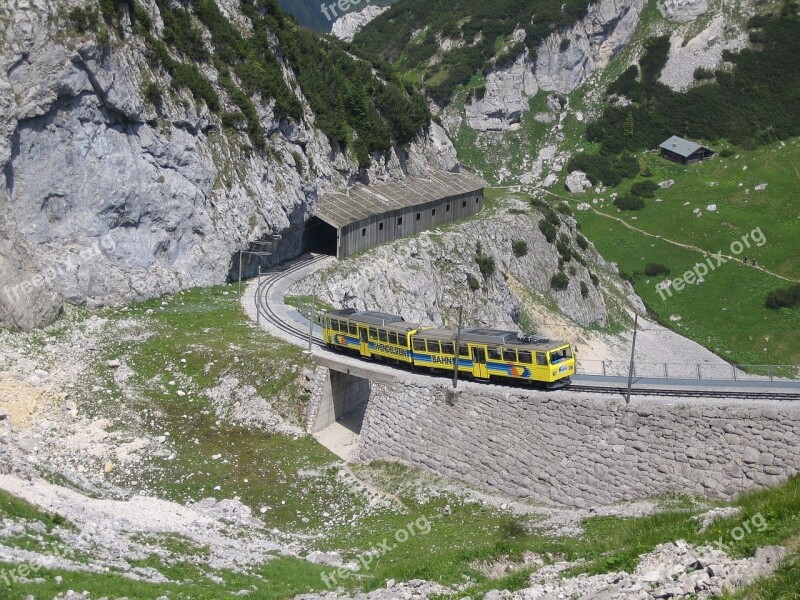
<point>344,399</point>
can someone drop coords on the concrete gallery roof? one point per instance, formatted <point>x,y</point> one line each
<point>362,201</point>
<point>680,146</point>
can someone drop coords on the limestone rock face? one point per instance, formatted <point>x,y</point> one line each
<point>577,182</point>
<point>108,199</point>
<point>346,27</point>
<point>563,62</point>
<point>684,10</point>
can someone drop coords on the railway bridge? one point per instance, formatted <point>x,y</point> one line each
<point>579,447</point>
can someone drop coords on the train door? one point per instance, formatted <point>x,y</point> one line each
<point>479,369</point>
<point>362,332</point>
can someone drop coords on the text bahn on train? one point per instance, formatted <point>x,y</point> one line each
<point>483,354</point>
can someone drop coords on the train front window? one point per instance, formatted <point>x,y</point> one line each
<point>561,355</point>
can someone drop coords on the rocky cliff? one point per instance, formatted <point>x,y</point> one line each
<point>110,196</point>
<point>347,26</point>
<point>561,63</point>
<point>426,276</point>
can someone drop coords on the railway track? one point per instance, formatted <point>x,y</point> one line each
<point>301,333</point>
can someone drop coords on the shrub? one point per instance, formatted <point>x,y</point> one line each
<point>298,163</point>
<point>519,248</point>
<point>83,20</point>
<point>653,269</point>
<point>582,241</point>
<point>727,152</point>
<point>701,73</point>
<point>559,281</point>
<point>595,281</point>
<point>485,265</point>
<point>629,203</point>
<point>473,283</point>
<point>565,209</point>
<point>573,270</point>
<point>644,189</point>
<point>584,289</point>
<point>563,247</point>
<point>152,94</point>
<point>787,297</point>
<point>548,230</point>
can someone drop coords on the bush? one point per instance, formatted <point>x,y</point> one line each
<point>519,248</point>
<point>298,163</point>
<point>629,203</point>
<point>582,241</point>
<point>152,94</point>
<point>485,265</point>
<point>727,152</point>
<point>83,20</point>
<point>595,281</point>
<point>563,247</point>
<point>584,289</point>
<point>565,209</point>
<point>573,270</point>
<point>787,297</point>
<point>473,283</point>
<point>548,230</point>
<point>701,73</point>
<point>644,189</point>
<point>653,269</point>
<point>559,281</point>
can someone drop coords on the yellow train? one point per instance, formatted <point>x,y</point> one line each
<point>484,354</point>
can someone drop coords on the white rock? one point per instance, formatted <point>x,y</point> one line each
<point>578,182</point>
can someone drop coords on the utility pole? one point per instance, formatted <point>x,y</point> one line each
<point>310,323</point>
<point>457,352</point>
<point>258,297</point>
<point>630,368</point>
<point>240,273</point>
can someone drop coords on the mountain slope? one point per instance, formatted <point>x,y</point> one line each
<point>309,13</point>
<point>143,144</point>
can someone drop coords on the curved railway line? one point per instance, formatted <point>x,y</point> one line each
<point>271,279</point>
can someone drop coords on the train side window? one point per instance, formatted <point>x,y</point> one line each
<point>525,357</point>
<point>448,348</point>
<point>494,352</point>
<point>392,337</point>
<point>382,335</point>
<point>509,354</point>
<point>353,328</point>
<point>335,324</point>
<point>373,333</point>
<point>463,350</point>
<point>433,346</point>
<point>402,339</point>
<point>419,345</point>
<point>541,359</point>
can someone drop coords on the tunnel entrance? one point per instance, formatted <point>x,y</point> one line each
<point>320,237</point>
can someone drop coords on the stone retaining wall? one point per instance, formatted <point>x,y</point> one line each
<point>580,449</point>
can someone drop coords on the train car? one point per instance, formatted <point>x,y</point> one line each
<point>483,354</point>
<point>370,334</point>
<point>496,354</point>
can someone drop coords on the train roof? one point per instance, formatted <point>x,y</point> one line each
<point>369,317</point>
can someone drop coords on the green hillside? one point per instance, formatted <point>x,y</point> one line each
<point>407,36</point>
<point>309,13</point>
<point>726,312</point>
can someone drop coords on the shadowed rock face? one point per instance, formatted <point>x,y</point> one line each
<point>107,199</point>
<point>563,62</point>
